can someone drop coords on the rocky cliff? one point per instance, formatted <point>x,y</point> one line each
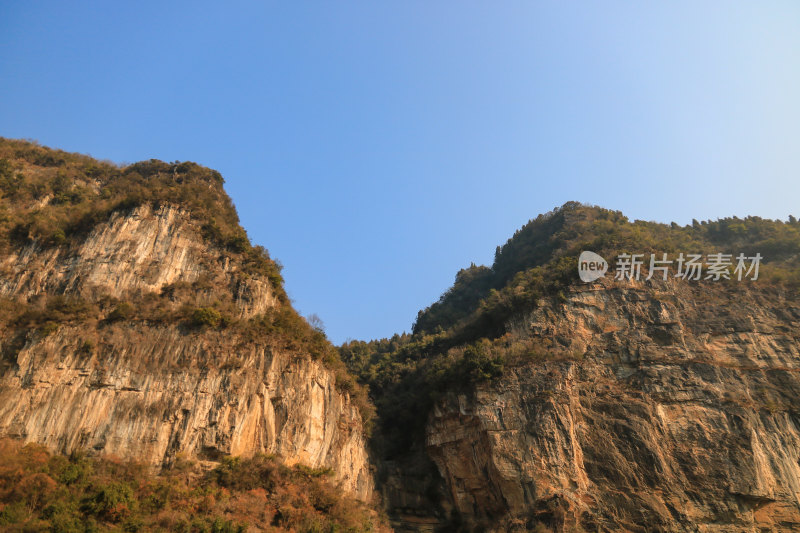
<point>150,393</point>
<point>148,332</point>
<point>620,405</point>
<point>135,252</point>
<point>669,415</point>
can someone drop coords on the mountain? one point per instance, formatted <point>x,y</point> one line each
<point>139,322</point>
<point>526,399</point>
<point>154,375</point>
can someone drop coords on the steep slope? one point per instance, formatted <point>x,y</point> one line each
<point>671,415</point>
<point>138,321</point>
<point>528,399</point>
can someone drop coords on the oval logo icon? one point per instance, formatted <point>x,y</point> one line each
<point>591,266</point>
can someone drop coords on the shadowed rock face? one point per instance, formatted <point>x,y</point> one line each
<point>151,391</point>
<point>677,411</point>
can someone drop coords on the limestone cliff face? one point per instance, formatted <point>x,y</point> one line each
<point>151,391</point>
<point>133,253</point>
<point>674,409</point>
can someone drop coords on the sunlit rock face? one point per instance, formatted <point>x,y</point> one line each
<point>674,409</point>
<point>136,252</point>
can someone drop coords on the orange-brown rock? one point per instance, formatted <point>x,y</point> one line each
<point>673,408</point>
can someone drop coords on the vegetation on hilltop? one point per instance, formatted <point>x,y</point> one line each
<point>54,197</point>
<point>547,249</point>
<point>44,492</point>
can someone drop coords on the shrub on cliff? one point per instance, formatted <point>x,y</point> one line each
<point>123,311</point>
<point>56,310</point>
<point>205,316</point>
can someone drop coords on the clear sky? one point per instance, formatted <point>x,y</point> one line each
<point>377,147</point>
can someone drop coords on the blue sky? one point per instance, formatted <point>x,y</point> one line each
<point>377,147</point>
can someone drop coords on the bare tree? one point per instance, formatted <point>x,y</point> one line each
<point>316,322</point>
